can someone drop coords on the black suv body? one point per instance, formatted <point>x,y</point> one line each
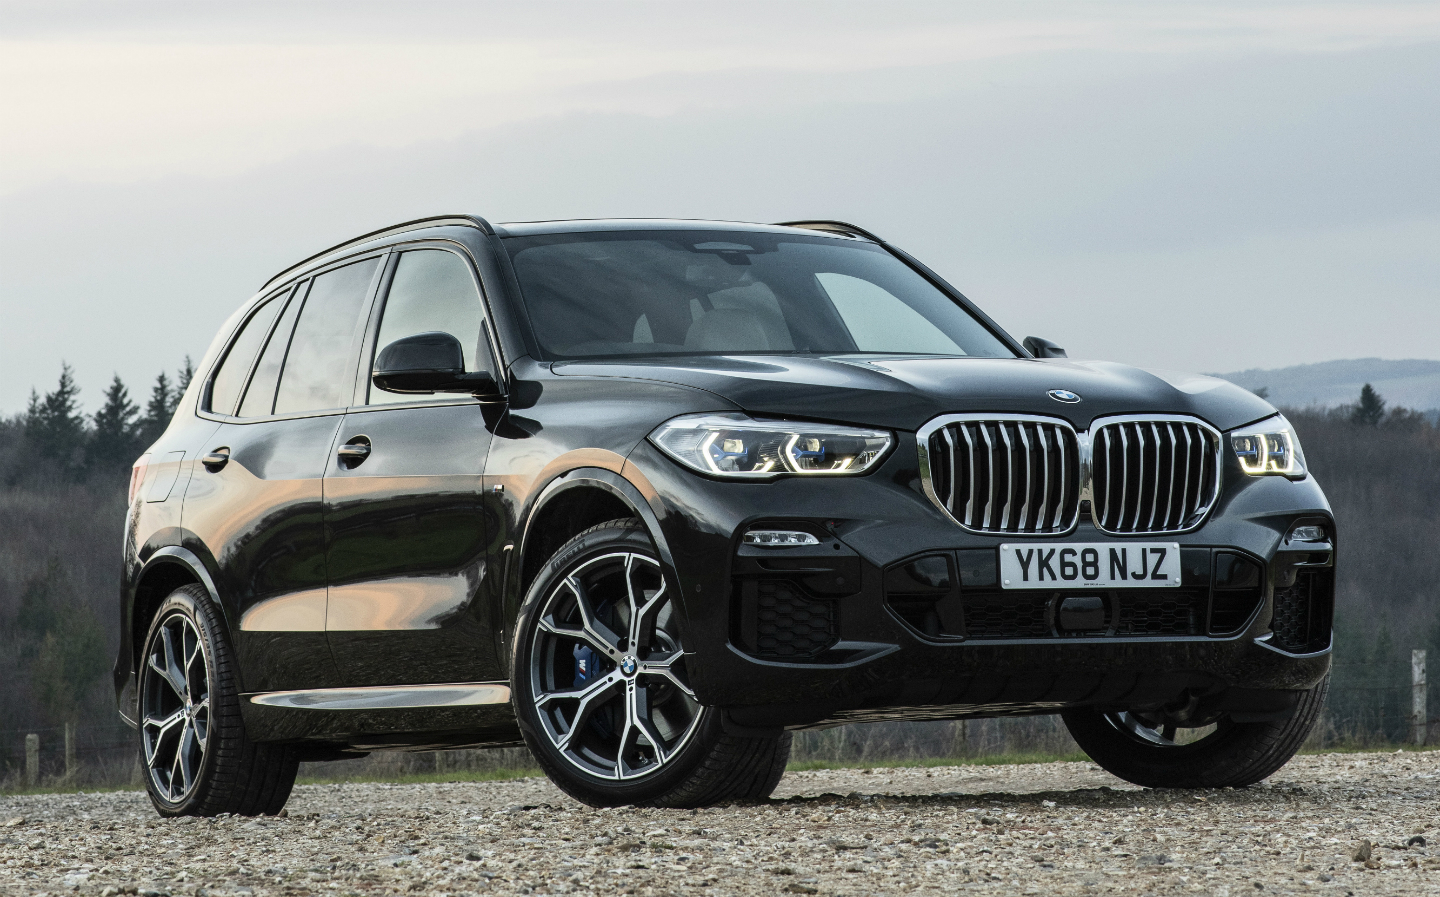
<point>822,472</point>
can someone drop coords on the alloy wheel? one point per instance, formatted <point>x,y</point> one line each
<point>1161,730</point>
<point>607,673</point>
<point>175,708</point>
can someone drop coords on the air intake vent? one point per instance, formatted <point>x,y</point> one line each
<point>1004,475</point>
<point>1153,476</point>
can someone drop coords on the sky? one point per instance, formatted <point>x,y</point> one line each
<point>1211,187</point>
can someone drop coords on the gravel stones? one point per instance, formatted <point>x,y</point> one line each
<point>1059,828</point>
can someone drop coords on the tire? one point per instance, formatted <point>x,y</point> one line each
<point>1234,755</point>
<point>193,748</point>
<point>613,724</point>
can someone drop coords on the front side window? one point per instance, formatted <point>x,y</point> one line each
<point>230,377</point>
<point>317,372</point>
<point>432,290</point>
<point>726,292</point>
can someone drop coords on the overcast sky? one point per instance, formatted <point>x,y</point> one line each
<point>1207,187</point>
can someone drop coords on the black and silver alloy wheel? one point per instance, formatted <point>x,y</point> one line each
<point>607,674</point>
<point>1163,730</point>
<point>601,689</point>
<point>175,707</point>
<point>1173,748</point>
<point>198,759</point>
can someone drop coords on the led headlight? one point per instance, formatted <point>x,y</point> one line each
<point>1269,448</point>
<point>733,445</point>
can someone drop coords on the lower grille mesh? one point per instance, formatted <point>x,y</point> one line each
<point>787,623</point>
<point>1302,612</point>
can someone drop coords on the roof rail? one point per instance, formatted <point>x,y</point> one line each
<point>432,221</point>
<point>834,227</point>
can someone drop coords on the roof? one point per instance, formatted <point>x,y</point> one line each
<point>570,226</point>
<point>604,225</point>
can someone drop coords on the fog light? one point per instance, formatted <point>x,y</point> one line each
<point>1307,534</point>
<point>778,538</point>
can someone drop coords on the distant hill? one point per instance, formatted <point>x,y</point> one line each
<point>1411,383</point>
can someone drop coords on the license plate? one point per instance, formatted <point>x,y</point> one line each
<point>1088,565</point>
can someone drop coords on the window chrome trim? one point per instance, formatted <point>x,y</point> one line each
<point>1084,445</point>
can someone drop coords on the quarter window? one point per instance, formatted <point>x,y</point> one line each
<point>318,371</point>
<point>432,290</point>
<point>230,378</point>
<point>260,397</point>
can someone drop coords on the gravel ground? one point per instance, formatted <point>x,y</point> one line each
<point>1336,824</point>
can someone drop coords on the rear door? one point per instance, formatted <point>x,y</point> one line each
<point>406,533</point>
<point>256,506</point>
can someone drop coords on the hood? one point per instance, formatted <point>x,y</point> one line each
<point>903,392</point>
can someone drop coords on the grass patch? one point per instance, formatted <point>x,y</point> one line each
<point>424,778</point>
<point>1373,749</point>
<point>67,789</point>
<point>929,762</point>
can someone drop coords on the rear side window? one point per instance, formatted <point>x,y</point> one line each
<point>260,397</point>
<point>432,290</point>
<point>230,378</point>
<point>317,372</point>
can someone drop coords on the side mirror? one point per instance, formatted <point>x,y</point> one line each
<point>1042,348</point>
<point>429,363</point>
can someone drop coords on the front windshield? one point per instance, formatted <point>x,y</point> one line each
<point>675,292</point>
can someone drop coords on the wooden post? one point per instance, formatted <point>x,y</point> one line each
<point>32,759</point>
<point>1419,718</point>
<point>69,752</point>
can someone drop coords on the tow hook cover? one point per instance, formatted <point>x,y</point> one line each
<point>1082,613</point>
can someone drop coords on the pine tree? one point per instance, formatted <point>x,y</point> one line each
<point>157,411</point>
<point>113,443</point>
<point>1370,410</point>
<point>182,383</point>
<point>54,424</point>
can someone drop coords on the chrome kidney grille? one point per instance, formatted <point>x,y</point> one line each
<point>1011,475</point>
<point>1153,475</point>
<point>1028,475</point>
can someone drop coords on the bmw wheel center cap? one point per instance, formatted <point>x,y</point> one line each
<point>1063,395</point>
<point>628,664</point>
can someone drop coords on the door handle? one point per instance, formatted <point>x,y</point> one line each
<point>216,459</point>
<point>353,453</point>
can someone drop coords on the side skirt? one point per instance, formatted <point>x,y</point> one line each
<point>395,717</point>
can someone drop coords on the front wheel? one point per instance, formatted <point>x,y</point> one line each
<point>602,691</point>
<point>1158,750</point>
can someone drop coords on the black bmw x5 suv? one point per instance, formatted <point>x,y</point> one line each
<point>649,496</point>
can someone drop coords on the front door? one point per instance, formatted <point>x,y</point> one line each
<point>406,534</point>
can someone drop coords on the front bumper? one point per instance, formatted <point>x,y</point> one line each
<point>879,661</point>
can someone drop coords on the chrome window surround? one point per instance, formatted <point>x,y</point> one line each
<point>1083,441</point>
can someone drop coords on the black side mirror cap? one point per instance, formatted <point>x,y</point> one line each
<point>1042,348</point>
<point>428,363</point>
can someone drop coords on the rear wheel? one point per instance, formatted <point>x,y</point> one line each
<point>193,748</point>
<point>1160,749</point>
<point>602,690</point>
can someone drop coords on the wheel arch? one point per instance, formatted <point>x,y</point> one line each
<point>568,505</point>
<point>166,570</point>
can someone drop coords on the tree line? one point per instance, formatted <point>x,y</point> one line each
<point>63,478</point>
<point>63,440</point>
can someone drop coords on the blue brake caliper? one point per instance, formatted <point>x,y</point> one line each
<point>587,664</point>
